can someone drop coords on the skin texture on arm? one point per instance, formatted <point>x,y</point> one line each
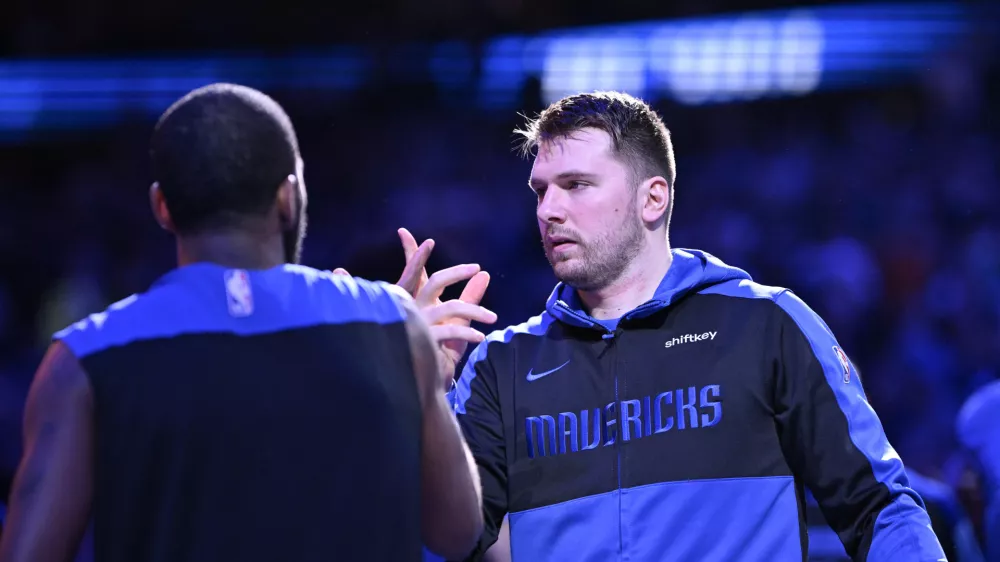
<point>51,497</point>
<point>500,551</point>
<point>451,500</point>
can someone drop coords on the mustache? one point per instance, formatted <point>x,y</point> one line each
<point>559,233</point>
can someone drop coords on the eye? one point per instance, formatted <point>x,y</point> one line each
<point>576,184</point>
<point>540,192</point>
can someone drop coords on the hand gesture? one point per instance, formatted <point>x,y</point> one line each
<point>450,322</point>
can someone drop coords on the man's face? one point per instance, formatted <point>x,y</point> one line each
<point>293,238</point>
<point>587,212</point>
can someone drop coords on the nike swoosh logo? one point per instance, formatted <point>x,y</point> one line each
<point>536,376</point>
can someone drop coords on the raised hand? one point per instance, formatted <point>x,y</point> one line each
<point>450,322</point>
<point>414,275</point>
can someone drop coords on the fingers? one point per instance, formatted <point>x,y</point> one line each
<point>409,248</point>
<point>458,310</point>
<point>475,289</point>
<point>416,261</point>
<point>447,332</point>
<point>341,271</point>
<point>409,242</point>
<point>438,282</point>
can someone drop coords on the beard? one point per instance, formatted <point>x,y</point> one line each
<point>293,238</point>
<point>598,263</point>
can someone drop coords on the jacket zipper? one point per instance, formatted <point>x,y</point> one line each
<point>612,339</point>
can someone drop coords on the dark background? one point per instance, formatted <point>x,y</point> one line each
<point>874,196</point>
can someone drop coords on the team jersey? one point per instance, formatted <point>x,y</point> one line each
<point>253,416</point>
<point>686,430</point>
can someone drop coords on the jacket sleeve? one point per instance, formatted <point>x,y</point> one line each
<point>477,408</point>
<point>949,519</point>
<point>834,443</point>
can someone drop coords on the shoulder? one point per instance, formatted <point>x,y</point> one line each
<point>296,296</point>
<point>745,289</point>
<point>793,322</point>
<point>234,301</point>
<point>325,282</point>
<point>112,326</point>
<point>60,381</point>
<point>767,299</point>
<point>784,302</point>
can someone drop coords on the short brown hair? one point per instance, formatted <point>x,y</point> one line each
<point>638,136</point>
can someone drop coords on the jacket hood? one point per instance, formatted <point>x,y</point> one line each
<point>690,270</point>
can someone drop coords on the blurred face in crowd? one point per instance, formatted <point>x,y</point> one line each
<point>588,212</point>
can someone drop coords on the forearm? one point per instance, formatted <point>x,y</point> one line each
<point>42,525</point>
<point>452,499</point>
<point>51,495</point>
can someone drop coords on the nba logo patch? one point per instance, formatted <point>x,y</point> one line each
<point>239,293</point>
<point>845,363</point>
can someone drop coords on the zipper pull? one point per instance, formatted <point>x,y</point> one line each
<point>608,336</point>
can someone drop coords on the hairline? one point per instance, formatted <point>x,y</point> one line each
<point>637,168</point>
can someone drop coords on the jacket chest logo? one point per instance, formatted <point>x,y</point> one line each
<point>689,338</point>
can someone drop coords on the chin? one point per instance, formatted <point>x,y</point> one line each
<point>567,273</point>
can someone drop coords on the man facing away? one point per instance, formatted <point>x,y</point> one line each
<point>664,406</point>
<point>245,408</point>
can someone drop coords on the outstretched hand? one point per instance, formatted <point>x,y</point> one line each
<point>450,322</point>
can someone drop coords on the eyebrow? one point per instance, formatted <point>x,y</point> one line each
<point>570,174</point>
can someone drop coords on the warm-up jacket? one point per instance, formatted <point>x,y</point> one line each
<point>949,520</point>
<point>686,431</point>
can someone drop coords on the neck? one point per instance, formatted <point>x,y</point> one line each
<point>238,250</point>
<point>634,287</point>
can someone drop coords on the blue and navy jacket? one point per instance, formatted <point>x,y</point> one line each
<point>686,431</point>
<point>978,429</point>
<point>949,520</point>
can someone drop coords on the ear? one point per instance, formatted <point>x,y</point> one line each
<point>158,203</point>
<point>654,196</point>
<point>288,202</point>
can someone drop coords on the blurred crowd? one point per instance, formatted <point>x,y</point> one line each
<point>35,28</point>
<point>880,209</point>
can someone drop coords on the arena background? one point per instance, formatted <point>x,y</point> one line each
<point>847,151</point>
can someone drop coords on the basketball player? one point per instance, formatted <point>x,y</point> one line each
<point>244,408</point>
<point>664,406</point>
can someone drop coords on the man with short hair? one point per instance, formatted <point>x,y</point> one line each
<point>664,406</point>
<point>245,407</point>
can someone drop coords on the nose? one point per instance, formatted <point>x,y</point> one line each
<point>550,207</point>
